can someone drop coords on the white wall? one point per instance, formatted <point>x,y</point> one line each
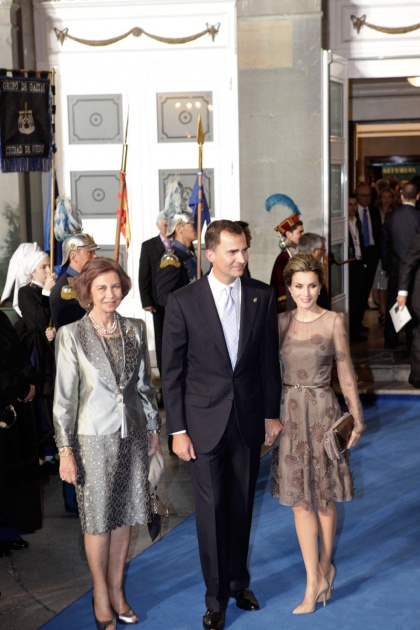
<point>138,68</point>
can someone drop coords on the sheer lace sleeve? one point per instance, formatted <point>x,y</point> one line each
<point>283,323</point>
<point>346,374</point>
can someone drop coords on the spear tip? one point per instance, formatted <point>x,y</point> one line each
<point>200,132</point>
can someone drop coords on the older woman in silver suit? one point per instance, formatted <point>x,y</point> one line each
<point>106,422</point>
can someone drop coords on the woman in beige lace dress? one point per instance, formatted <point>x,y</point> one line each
<point>303,477</point>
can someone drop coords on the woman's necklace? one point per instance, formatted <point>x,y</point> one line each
<point>100,329</point>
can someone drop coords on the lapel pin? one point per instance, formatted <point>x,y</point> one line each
<point>255,300</point>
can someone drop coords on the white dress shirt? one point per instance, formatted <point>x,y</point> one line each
<point>218,290</point>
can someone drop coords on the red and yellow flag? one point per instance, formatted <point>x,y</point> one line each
<point>123,211</point>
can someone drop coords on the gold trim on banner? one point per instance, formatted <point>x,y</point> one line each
<point>359,22</point>
<point>137,32</point>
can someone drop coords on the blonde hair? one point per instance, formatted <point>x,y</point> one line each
<point>303,263</point>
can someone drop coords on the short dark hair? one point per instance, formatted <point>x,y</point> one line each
<point>294,226</point>
<point>303,262</point>
<point>243,224</point>
<point>409,191</point>
<point>212,238</point>
<point>91,270</point>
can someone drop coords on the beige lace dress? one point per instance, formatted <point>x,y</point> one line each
<point>302,474</point>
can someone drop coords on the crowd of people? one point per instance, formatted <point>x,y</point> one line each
<point>384,221</point>
<point>242,364</point>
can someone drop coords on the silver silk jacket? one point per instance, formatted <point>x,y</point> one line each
<point>87,399</point>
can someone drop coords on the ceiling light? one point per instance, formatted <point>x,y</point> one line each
<point>414,81</point>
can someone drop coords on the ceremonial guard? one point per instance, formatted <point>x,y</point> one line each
<point>77,250</point>
<point>178,265</point>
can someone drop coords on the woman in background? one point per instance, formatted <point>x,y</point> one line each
<point>106,422</point>
<point>303,477</point>
<point>36,331</point>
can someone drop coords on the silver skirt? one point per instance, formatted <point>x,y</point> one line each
<point>112,481</point>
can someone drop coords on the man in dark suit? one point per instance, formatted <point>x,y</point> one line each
<point>409,289</point>
<point>400,227</point>
<point>357,271</point>
<point>221,385</point>
<point>370,220</point>
<point>152,251</point>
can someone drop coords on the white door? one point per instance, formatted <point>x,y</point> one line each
<point>335,168</point>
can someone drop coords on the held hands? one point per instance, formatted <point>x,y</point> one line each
<point>272,430</point>
<point>401,301</point>
<point>151,309</point>
<point>183,447</point>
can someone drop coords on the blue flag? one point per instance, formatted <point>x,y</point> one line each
<point>58,256</point>
<point>193,203</point>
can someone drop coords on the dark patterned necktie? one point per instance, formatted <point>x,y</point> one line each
<point>366,237</point>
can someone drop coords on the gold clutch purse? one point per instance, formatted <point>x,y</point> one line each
<point>338,436</point>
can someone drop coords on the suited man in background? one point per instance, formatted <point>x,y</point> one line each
<point>357,271</point>
<point>409,289</point>
<point>221,384</point>
<point>370,220</point>
<point>152,251</point>
<point>400,227</point>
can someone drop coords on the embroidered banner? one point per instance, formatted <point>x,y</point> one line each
<point>25,124</point>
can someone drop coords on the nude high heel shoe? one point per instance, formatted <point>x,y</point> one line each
<point>330,579</point>
<point>305,609</point>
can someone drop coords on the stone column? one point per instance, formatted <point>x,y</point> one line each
<point>279,59</point>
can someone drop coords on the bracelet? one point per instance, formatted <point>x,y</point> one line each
<point>65,450</point>
<point>153,431</point>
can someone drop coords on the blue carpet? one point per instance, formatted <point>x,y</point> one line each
<point>377,549</point>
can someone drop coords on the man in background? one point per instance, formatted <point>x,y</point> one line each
<point>291,229</point>
<point>152,251</point>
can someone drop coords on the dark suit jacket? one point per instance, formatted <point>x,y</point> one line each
<point>152,251</point>
<point>64,311</point>
<point>409,276</point>
<point>375,219</point>
<point>399,229</point>
<point>199,385</point>
<point>170,278</point>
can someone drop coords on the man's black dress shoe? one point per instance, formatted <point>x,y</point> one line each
<point>18,543</point>
<point>214,620</point>
<point>246,599</point>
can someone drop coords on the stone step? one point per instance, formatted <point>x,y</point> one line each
<point>382,371</point>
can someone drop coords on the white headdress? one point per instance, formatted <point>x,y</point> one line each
<point>23,262</point>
